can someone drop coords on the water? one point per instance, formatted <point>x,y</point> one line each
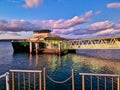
<point>59,67</point>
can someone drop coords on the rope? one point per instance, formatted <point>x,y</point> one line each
<point>59,82</point>
<point>1,76</point>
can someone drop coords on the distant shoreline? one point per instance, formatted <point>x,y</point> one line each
<point>11,39</point>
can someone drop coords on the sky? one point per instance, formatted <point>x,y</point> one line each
<point>73,19</point>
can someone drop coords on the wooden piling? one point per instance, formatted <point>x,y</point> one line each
<point>30,46</point>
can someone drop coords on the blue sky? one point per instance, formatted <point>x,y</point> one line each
<point>79,19</point>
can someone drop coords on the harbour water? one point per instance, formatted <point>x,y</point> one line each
<point>59,67</point>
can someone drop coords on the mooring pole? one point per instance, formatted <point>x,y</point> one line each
<point>44,75</point>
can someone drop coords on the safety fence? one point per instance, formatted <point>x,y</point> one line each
<point>108,80</point>
<point>36,80</point>
<point>26,79</point>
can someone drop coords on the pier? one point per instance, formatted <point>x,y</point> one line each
<point>60,45</point>
<point>45,42</point>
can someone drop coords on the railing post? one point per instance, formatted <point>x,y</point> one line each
<point>118,83</point>
<point>44,75</point>
<point>7,81</point>
<point>40,81</point>
<point>13,81</point>
<point>73,83</point>
<point>83,83</point>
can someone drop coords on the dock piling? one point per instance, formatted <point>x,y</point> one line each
<point>30,44</point>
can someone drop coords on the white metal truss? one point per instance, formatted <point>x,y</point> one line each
<point>104,43</point>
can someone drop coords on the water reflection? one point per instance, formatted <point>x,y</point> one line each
<point>95,65</point>
<point>59,67</point>
<point>80,63</point>
<point>107,54</point>
<point>6,52</point>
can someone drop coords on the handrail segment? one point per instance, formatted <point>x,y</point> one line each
<point>27,77</point>
<point>114,79</point>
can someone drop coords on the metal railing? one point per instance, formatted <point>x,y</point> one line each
<point>114,81</point>
<point>32,80</point>
<point>6,75</point>
<point>26,79</point>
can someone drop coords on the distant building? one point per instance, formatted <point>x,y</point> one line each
<point>40,35</point>
<point>51,41</point>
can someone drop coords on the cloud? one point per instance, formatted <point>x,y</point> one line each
<point>32,3</point>
<point>11,35</point>
<point>68,28</point>
<point>61,24</point>
<point>99,30</point>
<point>76,20</point>
<point>100,25</point>
<point>108,32</point>
<point>117,26</point>
<point>113,5</point>
<point>16,25</point>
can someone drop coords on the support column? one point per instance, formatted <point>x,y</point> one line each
<point>36,47</point>
<point>59,47</point>
<point>30,44</point>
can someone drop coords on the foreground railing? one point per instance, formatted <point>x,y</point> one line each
<point>114,80</point>
<point>26,79</point>
<point>6,75</point>
<point>32,80</point>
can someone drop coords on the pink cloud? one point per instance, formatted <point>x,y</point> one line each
<point>32,3</point>
<point>68,28</point>
<point>61,24</point>
<point>113,5</point>
<point>89,14</point>
<point>108,32</point>
<point>100,25</point>
<point>65,24</point>
<point>16,25</point>
<point>76,20</point>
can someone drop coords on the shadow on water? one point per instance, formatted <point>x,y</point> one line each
<point>59,67</point>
